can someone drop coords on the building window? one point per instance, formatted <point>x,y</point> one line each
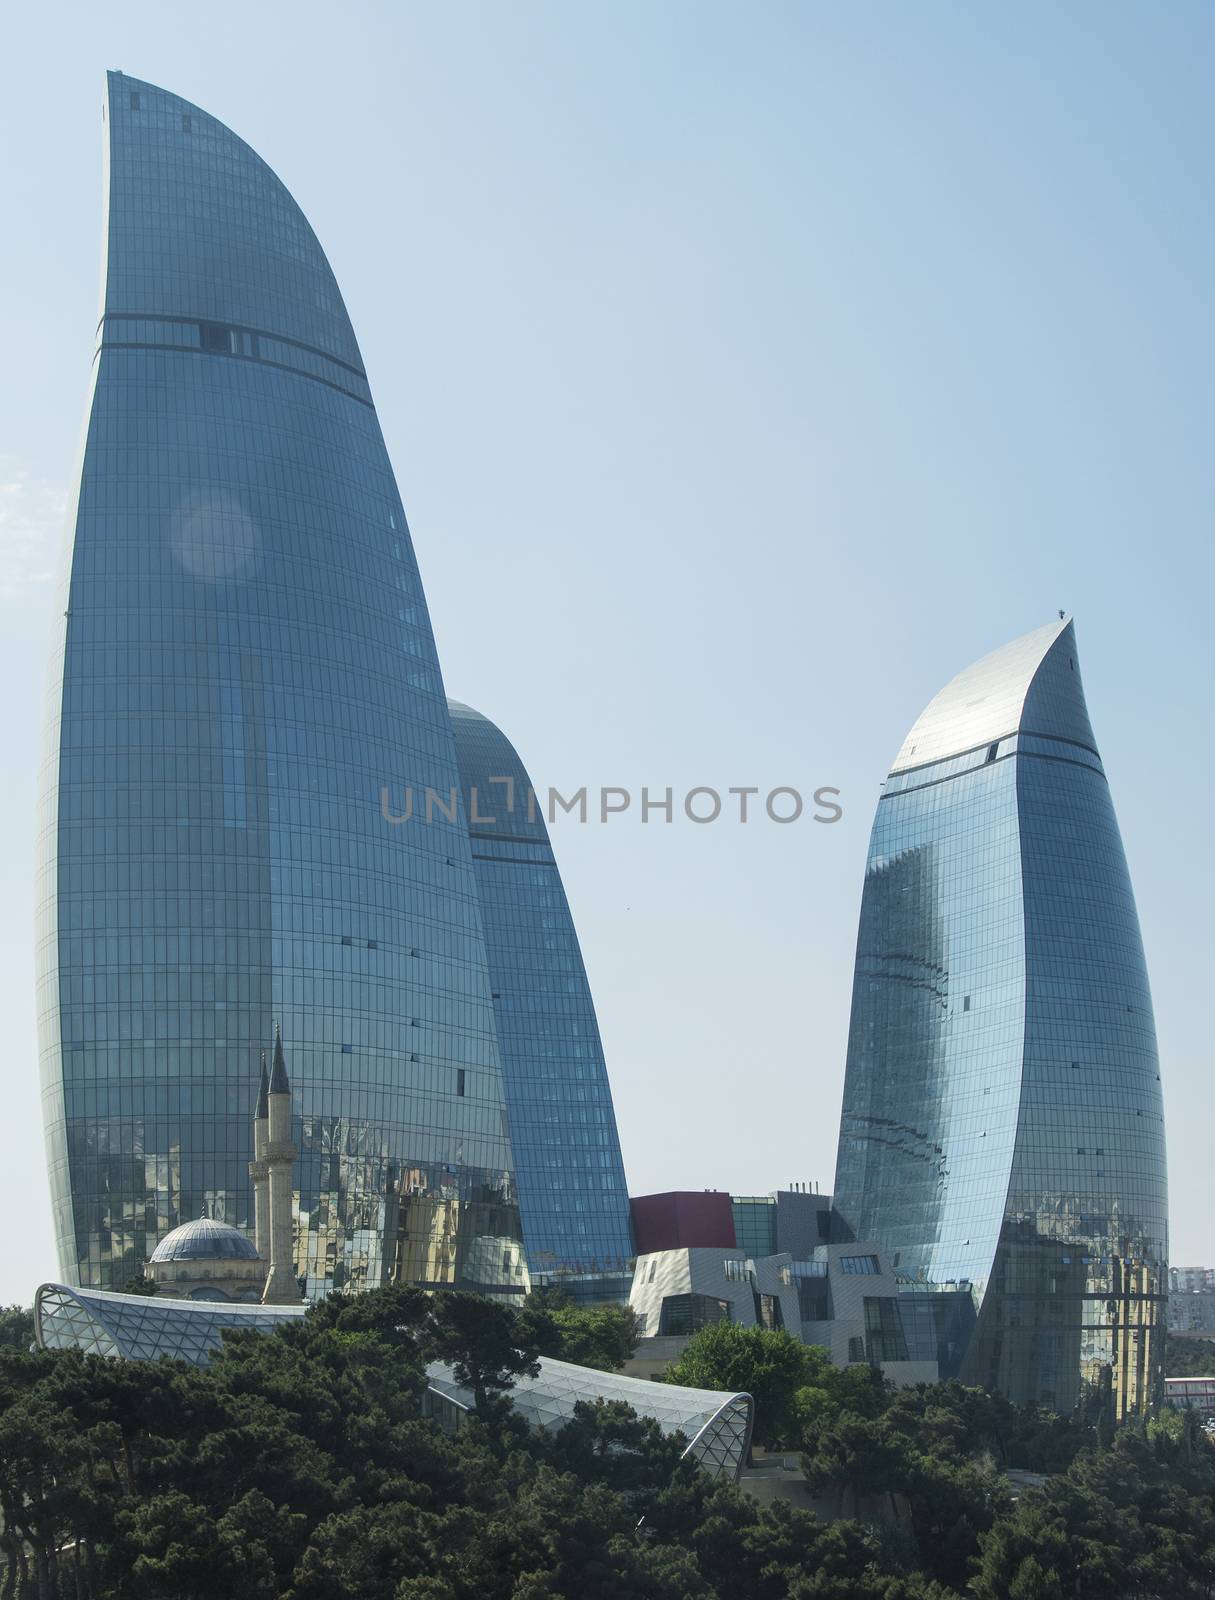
<point>735,1271</point>
<point>768,1313</point>
<point>215,338</point>
<point>884,1336</point>
<point>754,1224</point>
<point>856,1349</point>
<point>808,1269</point>
<point>813,1303</point>
<point>653,1269</point>
<point>460,1080</point>
<point>867,1265</point>
<point>687,1313</point>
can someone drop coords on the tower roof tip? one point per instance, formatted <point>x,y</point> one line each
<point>263,1093</point>
<point>278,1078</point>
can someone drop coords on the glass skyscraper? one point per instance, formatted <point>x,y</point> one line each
<point>572,1188</point>
<point>243,685</point>
<point>1002,1126</point>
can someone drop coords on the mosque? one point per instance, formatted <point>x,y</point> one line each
<point>210,1260</point>
<point>211,1278</point>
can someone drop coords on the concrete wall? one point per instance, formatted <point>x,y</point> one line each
<point>798,1229</point>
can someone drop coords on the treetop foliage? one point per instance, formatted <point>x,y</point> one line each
<point>299,1466</point>
<point>1189,1358</point>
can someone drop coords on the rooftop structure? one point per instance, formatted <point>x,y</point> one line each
<point>682,1219</point>
<point>207,1260</point>
<point>205,1240</point>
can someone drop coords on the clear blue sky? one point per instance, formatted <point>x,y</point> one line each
<point>747,371</point>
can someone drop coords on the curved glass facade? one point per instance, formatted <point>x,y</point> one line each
<point>144,1327</point>
<point>1002,1126</point>
<point>572,1188</point>
<point>246,669</point>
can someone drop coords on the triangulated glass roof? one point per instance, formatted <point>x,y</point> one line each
<point>717,1425</point>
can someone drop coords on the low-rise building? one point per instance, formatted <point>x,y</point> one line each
<point>1192,1312</point>
<point>1191,1394</point>
<point>676,1293</point>
<point>769,1262</point>
<point>1191,1280</point>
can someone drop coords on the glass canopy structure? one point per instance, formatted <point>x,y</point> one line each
<point>146,1327</point>
<point>243,684</point>
<point>572,1189</point>
<point>1002,1128</point>
<point>717,1425</point>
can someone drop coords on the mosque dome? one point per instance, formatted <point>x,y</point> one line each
<point>205,1240</point>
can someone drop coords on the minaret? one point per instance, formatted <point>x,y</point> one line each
<point>258,1170</point>
<point>281,1286</point>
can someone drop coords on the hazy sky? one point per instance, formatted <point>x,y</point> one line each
<point>747,371</point>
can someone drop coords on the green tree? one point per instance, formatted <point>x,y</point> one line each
<point>1030,1582</point>
<point>607,1442</point>
<point>483,1341</point>
<point>768,1364</point>
<point>16,1327</point>
<point>299,1466</point>
<point>348,1378</point>
<point>1136,1518</point>
<point>181,1551</point>
<point>603,1337</point>
<point>392,1313</point>
<point>139,1284</point>
<point>1187,1358</point>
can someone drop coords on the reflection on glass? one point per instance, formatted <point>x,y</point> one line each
<point>245,662</point>
<point>572,1188</point>
<point>1002,1130</point>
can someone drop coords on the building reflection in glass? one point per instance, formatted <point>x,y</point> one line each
<point>244,661</point>
<point>572,1187</point>
<point>1002,1128</point>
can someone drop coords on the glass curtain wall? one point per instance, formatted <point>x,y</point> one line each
<point>243,686</point>
<point>1002,1129</point>
<point>572,1187</point>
